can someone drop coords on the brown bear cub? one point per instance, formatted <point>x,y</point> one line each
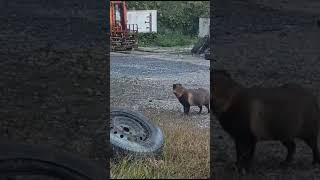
<point>191,97</point>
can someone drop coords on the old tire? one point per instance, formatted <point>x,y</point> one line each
<point>133,134</point>
<point>20,161</point>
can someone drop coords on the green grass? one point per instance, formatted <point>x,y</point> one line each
<point>185,153</point>
<point>165,40</point>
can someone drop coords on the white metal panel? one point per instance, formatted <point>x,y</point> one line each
<point>141,17</point>
<point>204,27</point>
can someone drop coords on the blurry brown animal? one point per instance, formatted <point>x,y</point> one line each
<point>255,114</point>
<point>191,97</point>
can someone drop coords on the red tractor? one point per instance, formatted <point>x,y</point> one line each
<point>123,36</point>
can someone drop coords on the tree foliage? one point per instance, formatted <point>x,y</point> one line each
<point>175,16</point>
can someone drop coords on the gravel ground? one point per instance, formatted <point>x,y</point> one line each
<point>142,80</point>
<point>269,44</point>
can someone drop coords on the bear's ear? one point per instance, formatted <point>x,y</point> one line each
<point>176,85</point>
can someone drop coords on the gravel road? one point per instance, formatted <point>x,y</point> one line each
<point>142,80</point>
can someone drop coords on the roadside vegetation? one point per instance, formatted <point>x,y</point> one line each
<point>166,40</point>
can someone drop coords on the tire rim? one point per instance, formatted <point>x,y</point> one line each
<point>129,129</point>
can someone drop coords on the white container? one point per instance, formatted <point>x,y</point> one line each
<point>145,19</point>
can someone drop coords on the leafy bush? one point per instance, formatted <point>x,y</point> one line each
<point>147,39</point>
<point>165,40</point>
